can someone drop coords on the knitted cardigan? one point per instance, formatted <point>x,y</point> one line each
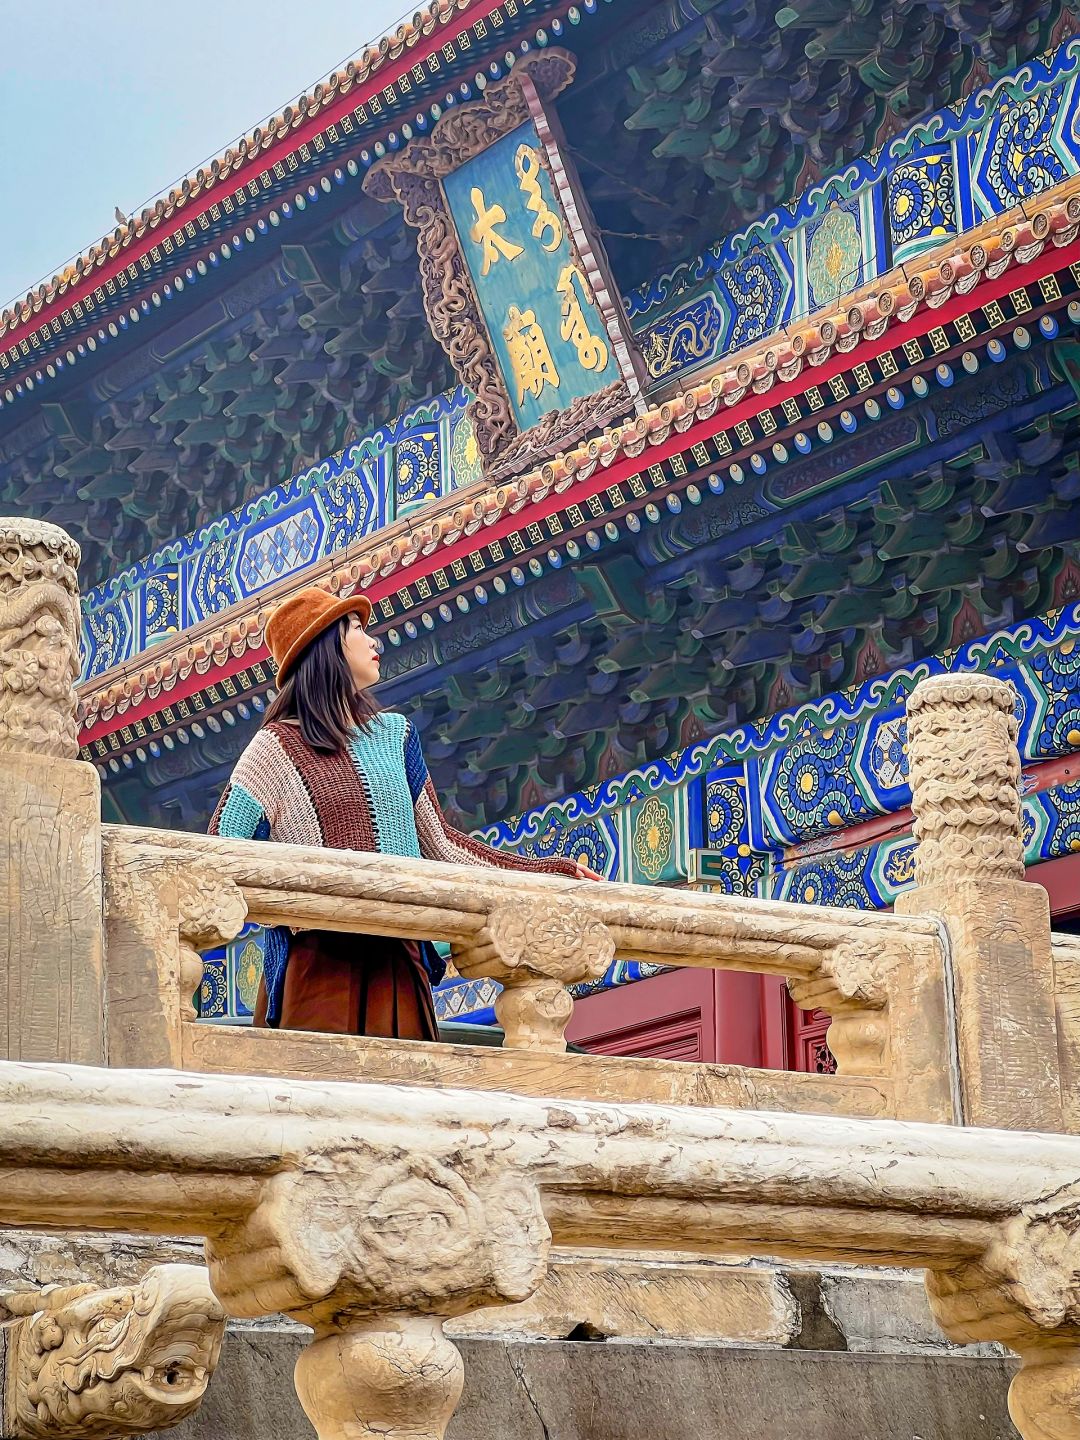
<point>375,795</point>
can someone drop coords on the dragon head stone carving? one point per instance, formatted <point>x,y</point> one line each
<point>88,1363</point>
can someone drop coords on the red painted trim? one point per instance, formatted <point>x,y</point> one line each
<point>180,691</point>
<point>709,1015</point>
<point>1061,881</point>
<point>920,324</point>
<point>777,1049</point>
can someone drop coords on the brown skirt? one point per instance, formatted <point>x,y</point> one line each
<point>345,984</point>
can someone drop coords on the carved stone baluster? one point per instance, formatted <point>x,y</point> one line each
<point>212,912</point>
<point>396,1377</point>
<point>50,848</point>
<point>969,871</point>
<point>851,988</point>
<point>890,1018</point>
<point>537,948</point>
<point>375,1255</point>
<point>1023,1292</point>
<point>84,1362</point>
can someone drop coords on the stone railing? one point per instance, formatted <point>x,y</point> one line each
<point>166,893</point>
<point>374,1213</point>
<point>106,925</point>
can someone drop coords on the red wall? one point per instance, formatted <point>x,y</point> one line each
<point>681,1015</point>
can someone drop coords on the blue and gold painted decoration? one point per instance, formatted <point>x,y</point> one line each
<point>546,331</point>
<point>213,999</point>
<point>245,972</point>
<point>595,842</point>
<point>725,811</point>
<point>160,611</point>
<point>945,174</point>
<point>809,787</point>
<point>1052,715</point>
<point>465,467</point>
<point>921,202</point>
<point>279,533</point>
<point>213,586</point>
<point>834,256</point>
<point>690,336</point>
<point>1016,157</point>
<point>732,863</point>
<point>759,287</point>
<point>894,867</point>
<point>278,548</point>
<point>839,251</point>
<point>653,833</point>
<point>108,634</point>
<point>858,731</point>
<point>883,756</point>
<point>834,878</point>
<point>1007,140</point>
<point>417,468</point>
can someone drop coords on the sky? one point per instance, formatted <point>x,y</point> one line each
<point>106,102</point>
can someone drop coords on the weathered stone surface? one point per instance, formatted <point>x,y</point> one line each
<point>650,1298</point>
<point>655,1297</point>
<point>1066,960</point>
<point>375,1213</point>
<point>622,1391</point>
<point>30,1258</point>
<point>51,969</point>
<point>884,1312</point>
<point>299,1055</point>
<point>51,965</point>
<point>84,1362</point>
<point>969,869</point>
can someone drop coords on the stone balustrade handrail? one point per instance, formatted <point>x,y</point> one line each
<point>375,1212</point>
<point>539,935</point>
<point>422,899</point>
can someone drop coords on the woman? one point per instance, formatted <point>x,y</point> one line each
<point>328,768</point>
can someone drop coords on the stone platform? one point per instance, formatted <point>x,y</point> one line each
<point>606,1354</point>
<point>666,1390</point>
<point>678,1348</point>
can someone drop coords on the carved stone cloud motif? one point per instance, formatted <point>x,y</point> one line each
<point>348,1237</point>
<point>39,638</point>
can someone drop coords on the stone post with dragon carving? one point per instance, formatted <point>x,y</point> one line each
<point>50,847</point>
<point>969,872</point>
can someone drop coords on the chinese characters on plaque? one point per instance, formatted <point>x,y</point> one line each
<point>547,332</point>
<point>515,281</point>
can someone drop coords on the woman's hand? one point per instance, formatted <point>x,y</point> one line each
<point>584,873</point>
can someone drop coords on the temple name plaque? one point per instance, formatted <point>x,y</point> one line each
<point>516,285</point>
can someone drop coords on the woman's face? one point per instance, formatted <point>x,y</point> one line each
<point>361,656</point>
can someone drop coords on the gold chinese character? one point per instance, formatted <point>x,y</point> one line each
<point>527,164</point>
<point>484,232</point>
<point>591,351</point>
<point>529,353</point>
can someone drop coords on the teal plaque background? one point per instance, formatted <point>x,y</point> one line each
<point>527,278</point>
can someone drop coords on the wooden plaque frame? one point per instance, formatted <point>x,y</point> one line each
<point>413,176</point>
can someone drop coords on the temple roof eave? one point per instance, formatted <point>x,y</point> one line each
<point>357,80</point>
<point>739,382</point>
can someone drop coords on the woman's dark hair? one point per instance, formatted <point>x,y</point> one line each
<point>319,692</point>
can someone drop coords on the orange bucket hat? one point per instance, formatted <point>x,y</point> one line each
<point>304,616</point>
